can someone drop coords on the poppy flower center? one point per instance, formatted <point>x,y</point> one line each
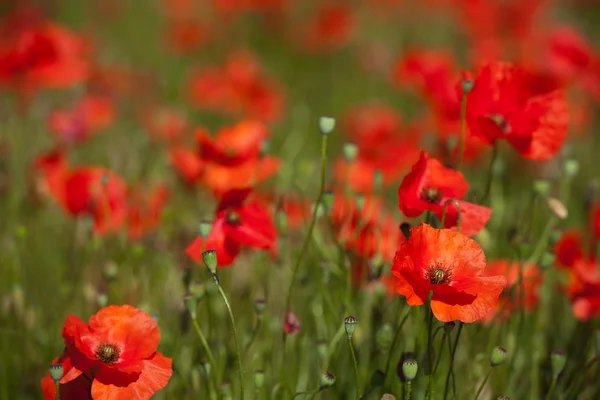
<point>500,122</point>
<point>107,353</point>
<point>232,218</point>
<point>431,195</point>
<point>438,275</point>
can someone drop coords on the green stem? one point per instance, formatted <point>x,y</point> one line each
<point>451,367</point>
<point>463,131</point>
<point>487,376</point>
<point>408,387</point>
<point>209,354</point>
<point>235,335</point>
<point>307,392</point>
<point>395,340</point>
<point>355,367</point>
<point>332,346</point>
<point>437,362</point>
<point>490,174</point>
<point>429,393</point>
<point>57,390</point>
<point>551,390</point>
<point>254,334</point>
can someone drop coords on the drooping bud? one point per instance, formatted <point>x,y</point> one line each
<point>210,260</point>
<point>557,208</point>
<point>191,303</point>
<point>467,86</point>
<point>388,396</point>
<point>350,151</point>
<point>558,359</point>
<point>326,125</point>
<point>259,379</point>
<point>409,369</point>
<point>327,380</point>
<point>204,229</point>
<point>350,325</point>
<point>260,305</point>
<point>497,356</point>
<point>56,372</point>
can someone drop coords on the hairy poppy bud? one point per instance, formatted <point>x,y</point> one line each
<point>327,379</point>
<point>557,208</point>
<point>409,369</point>
<point>498,356</point>
<point>191,302</point>
<point>56,372</point>
<point>259,379</point>
<point>467,85</point>
<point>210,260</point>
<point>558,359</point>
<point>350,151</point>
<point>204,229</point>
<point>326,125</point>
<point>388,396</point>
<point>350,325</point>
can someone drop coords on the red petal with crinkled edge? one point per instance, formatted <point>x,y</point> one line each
<point>110,384</point>
<point>473,217</point>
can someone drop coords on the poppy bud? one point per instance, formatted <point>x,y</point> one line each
<point>405,229</point>
<point>360,201</point>
<point>449,326</point>
<point>384,337</point>
<point>571,168</point>
<point>191,302</point>
<point>467,86</point>
<point>204,229</point>
<point>541,187</point>
<point>327,380</point>
<point>260,305</point>
<point>56,372</point>
<point>110,272</point>
<point>557,208</point>
<point>409,369</point>
<point>259,379</point>
<point>350,325</point>
<point>558,359</point>
<point>498,356</point>
<point>326,125</point>
<point>377,378</point>
<point>406,355</point>
<point>547,260</point>
<point>328,199</point>
<point>101,300</point>
<point>388,396</point>
<point>350,151</point>
<point>210,260</point>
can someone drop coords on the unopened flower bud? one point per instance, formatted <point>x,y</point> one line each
<point>259,379</point>
<point>497,356</point>
<point>558,359</point>
<point>541,187</point>
<point>547,260</point>
<point>467,86</point>
<point>191,303</point>
<point>204,229</point>
<point>260,305</point>
<point>101,300</point>
<point>350,151</point>
<point>557,208</point>
<point>327,379</point>
<point>210,260</point>
<point>571,168</point>
<point>409,369</point>
<point>56,372</point>
<point>326,125</point>
<point>350,325</point>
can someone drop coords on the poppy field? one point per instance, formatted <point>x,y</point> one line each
<point>299,199</point>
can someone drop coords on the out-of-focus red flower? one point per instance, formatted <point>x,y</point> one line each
<point>568,52</point>
<point>429,185</point>
<point>237,88</point>
<point>144,210</point>
<point>240,221</point>
<point>510,300</point>
<point>116,351</point>
<point>568,248</point>
<point>383,144</point>
<point>236,6</point>
<point>166,124</point>
<point>89,115</point>
<point>502,106</point>
<point>291,324</point>
<point>187,163</point>
<point>186,35</point>
<point>453,267</point>
<point>36,53</point>
<point>45,176</point>
<point>330,27</point>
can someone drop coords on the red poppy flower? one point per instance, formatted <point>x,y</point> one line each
<point>240,221</point>
<point>144,210</point>
<point>453,267</point>
<point>90,114</point>
<point>47,173</point>
<point>117,351</point>
<point>502,106</point>
<point>165,124</point>
<point>291,324</point>
<point>429,185</point>
<point>186,35</point>
<point>330,27</point>
<point>568,248</point>
<point>509,302</point>
<point>187,164</point>
<point>233,145</point>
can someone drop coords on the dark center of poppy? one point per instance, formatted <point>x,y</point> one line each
<point>233,218</point>
<point>500,122</point>
<point>438,275</point>
<point>431,195</point>
<point>107,353</point>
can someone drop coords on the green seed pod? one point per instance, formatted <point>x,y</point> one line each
<point>571,168</point>
<point>409,369</point>
<point>350,325</point>
<point>327,380</point>
<point>259,379</point>
<point>260,305</point>
<point>326,125</point>
<point>558,359</point>
<point>210,260</point>
<point>191,302</point>
<point>350,151</point>
<point>204,229</point>
<point>541,187</point>
<point>56,372</point>
<point>497,356</point>
<point>467,86</point>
